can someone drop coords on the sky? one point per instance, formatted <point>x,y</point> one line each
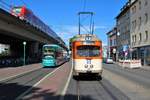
<point>61,15</point>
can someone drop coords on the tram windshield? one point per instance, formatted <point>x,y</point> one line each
<point>48,51</point>
<point>88,51</point>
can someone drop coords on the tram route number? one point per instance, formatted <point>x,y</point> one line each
<point>88,42</point>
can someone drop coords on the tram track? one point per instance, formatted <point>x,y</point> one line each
<point>78,89</point>
<point>12,88</point>
<point>97,90</point>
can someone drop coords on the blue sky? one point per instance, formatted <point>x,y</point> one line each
<point>61,15</point>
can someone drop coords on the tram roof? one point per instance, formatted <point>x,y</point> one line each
<point>52,45</point>
<point>84,37</point>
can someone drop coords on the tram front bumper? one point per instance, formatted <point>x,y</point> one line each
<point>77,72</point>
<point>48,63</point>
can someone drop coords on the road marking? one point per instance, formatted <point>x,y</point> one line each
<point>66,86</point>
<point>21,96</point>
<point>7,78</point>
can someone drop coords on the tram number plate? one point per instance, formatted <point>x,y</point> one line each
<point>88,61</point>
<point>88,42</point>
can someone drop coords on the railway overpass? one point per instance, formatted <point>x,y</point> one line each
<point>14,32</point>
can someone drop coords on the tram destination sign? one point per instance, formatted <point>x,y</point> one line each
<point>88,42</point>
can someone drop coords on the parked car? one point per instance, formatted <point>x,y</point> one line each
<point>109,60</point>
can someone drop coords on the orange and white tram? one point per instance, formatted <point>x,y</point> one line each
<point>87,55</point>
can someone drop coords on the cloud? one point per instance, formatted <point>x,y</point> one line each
<point>68,31</point>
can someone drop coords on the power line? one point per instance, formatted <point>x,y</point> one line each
<point>84,5</point>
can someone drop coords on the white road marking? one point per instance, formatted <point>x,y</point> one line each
<point>66,86</point>
<point>21,96</point>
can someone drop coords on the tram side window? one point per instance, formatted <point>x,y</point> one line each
<point>88,51</point>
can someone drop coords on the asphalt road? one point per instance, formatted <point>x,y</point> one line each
<point>89,88</point>
<point>12,88</point>
<point>135,83</point>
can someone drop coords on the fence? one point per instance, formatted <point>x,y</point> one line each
<point>130,63</point>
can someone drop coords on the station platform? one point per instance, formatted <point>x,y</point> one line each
<point>9,72</point>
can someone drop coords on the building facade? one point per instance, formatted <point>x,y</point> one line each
<point>140,30</point>
<point>112,45</point>
<point>123,32</point>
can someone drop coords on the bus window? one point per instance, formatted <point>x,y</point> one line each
<point>88,51</point>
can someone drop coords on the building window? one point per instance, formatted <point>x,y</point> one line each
<point>110,42</point>
<point>140,37</point>
<point>134,24</point>
<point>146,35</point>
<point>134,9</point>
<point>118,22</point>
<point>146,18</point>
<point>140,21</point>
<point>146,2</point>
<point>134,38</point>
<point>139,5</point>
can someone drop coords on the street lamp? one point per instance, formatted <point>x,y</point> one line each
<point>24,52</point>
<point>118,47</point>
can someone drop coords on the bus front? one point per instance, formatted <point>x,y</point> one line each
<point>48,56</point>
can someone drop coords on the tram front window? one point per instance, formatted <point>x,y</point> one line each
<point>88,51</point>
<point>48,51</point>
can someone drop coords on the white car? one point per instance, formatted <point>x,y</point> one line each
<point>109,61</point>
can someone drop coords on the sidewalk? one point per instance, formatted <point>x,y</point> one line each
<point>143,67</point>
<point>146,67</point>
<point>9,72</point>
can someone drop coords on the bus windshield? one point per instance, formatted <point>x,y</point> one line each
<point>88,51</point>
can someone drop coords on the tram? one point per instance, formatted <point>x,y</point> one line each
<point>53,55</point>
<point>86,55</point>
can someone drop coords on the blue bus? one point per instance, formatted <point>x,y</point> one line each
<point>53,55</point>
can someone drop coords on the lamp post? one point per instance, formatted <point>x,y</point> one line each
<point>118,47</point>
<point>24,52</point>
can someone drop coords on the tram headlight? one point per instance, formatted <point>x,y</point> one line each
<point>91,66</point>
<point>86,66</point>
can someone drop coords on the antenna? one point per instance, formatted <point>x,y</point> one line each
<point>92,28</point>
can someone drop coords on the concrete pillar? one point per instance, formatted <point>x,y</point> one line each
<point>34,48</point>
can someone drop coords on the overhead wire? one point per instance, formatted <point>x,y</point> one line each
<point>84,5</point>
<point>91,21</point>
